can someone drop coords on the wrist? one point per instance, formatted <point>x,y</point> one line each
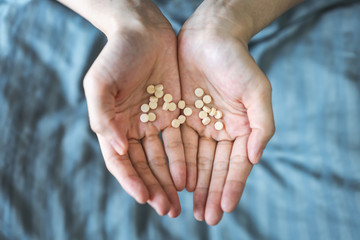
<point>221,18</point>
<point>241,19</point>
<point>114,16</point>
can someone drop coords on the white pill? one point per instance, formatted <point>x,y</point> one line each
<point>144,117</point>
<point>159,93</point>
<point>181,104</point>
<point>172,106</point>
<point>206,121</point>
<point>199,92</point>
<point>175,123</point>
<point>145,108</point>
<point>199,104</point>
<point>152,117</point>
<point>159,87</point>
<point>153,99</point>
<point>165,106</point>
<point>219,125</point>
<point>153,105</point>
<point>182,119</point>
<point>206,109</point>
<point>207,99</point>
<point>150,89</point>
<point>212,112</point>
<point>202,114</point>
<point>168,98</point>
<point>187,111</point>
<point>218,114</point>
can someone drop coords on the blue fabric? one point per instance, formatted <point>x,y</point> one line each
<point>54,184</point>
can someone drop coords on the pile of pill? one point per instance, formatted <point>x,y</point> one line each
<point>206,111</point>
<point>157,92</point>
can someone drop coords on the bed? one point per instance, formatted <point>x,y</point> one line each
<point>54,183</point>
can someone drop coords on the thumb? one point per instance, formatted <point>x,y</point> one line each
<point>261,120</point>
<point>100,92</point>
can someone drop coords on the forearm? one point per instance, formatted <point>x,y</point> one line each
<point>244,17</point>
<point>113,15</point>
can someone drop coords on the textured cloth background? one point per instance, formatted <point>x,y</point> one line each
<point>54,184</point>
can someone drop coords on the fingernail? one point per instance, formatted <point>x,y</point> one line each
<point>255,155</point>
<point>118,147</point>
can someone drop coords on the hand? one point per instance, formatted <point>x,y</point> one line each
<point>212,57</point>
<point>115,88</point>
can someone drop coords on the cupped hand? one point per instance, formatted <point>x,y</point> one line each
<point>219,162</point>
<point>136,56</point>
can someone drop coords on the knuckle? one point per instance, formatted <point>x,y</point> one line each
<point>237,183</point>
<point>157,162</point>
<point>173,144</point>
<point>220,166</point>
<point>97,125</point>
<point>189,146</point>
<point>204,163</point>
<point>273,130</point>
<point>112,162</point>
<point>238,161</point>
<point>140,166</point>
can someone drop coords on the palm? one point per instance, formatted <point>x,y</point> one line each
<point>115,87</point>
<point>212,81</point>
<point>157,65</point>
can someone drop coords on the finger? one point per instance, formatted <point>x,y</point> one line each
<point>121,168</point>
<point>100,92</point>
<point>239,170</point>
<point>158,198</point>
<point>175,152</point>
<point>205,162</point>
<point>261,120</point>
<point>190,139</point>
<point>158,165</point>
<point>213,211</point>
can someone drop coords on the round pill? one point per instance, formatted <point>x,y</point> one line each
<point>207,99</point>
<point>172,106</point>
<point>153,99</point>
<point>187,111</point>
<point>175,123</point>
<point>165,106</point>
<point>219,125</point>
<point>168,98</point>
<point>202,114</point>
<point>182,119</point>
<point>199,92</point>
<point>150,89</point>
<point>206,121</point>
<point>159,87</point>
<point>199,104</point>
<point>159,93</point>
<point>153,105</point>
<point>152,117</point>
<point>206,109</point>
<point>144,117</point>
<point>212,112</point>
<point>218,114</point>
<point>181,104</point>
<point>145,108</point>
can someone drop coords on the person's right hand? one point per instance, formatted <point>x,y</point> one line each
<point>141,53</point>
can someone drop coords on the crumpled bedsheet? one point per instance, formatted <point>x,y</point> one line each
<point>54,183</point>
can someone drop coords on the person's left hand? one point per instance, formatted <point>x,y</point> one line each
<point>219,162</point>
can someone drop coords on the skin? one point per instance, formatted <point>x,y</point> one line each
<point>213,55</point>
<point>115,88</point>
<point>210,52</point>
